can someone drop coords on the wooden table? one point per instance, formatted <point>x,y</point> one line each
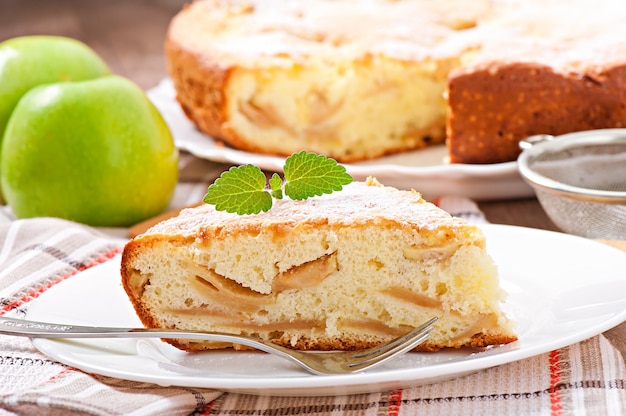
<point>129,36</point>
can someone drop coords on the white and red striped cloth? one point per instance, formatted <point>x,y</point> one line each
<point>584,379</point>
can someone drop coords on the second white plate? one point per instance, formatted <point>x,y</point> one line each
<point>422,170</point>
<point>562,290</point>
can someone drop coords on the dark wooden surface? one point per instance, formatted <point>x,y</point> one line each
<point>129,35</point>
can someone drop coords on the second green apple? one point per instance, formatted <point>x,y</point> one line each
<point>30,61</point>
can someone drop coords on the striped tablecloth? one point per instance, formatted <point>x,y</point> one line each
<point>587,378</point>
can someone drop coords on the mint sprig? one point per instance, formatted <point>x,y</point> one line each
<point>243,189</point>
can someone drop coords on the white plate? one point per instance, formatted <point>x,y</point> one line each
<point>423,170</point>
<point>562,289</point>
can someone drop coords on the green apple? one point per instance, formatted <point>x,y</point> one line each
<point>29,61</point>
<point>96,152</point>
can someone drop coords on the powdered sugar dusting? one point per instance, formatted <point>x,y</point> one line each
<point>358,203</point>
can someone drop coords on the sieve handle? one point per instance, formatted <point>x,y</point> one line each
<point>530,141</point>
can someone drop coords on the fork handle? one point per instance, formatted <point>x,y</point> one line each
<point>25,328</point>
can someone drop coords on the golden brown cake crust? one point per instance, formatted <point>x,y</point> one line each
<point>477,341</point>
<point>200,88</point>
<point>495,105</point>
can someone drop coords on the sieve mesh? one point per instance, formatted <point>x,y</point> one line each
<point>587,219</point>
<point>601,167</point>
<point>589,167</point>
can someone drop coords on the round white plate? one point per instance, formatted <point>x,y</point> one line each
<point>562,289</point>
<point>424,170</point>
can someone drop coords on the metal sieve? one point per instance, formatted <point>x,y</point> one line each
<point>580,180</point>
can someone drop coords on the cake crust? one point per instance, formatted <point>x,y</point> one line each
<point>495,105</point>
<point>200,88</point>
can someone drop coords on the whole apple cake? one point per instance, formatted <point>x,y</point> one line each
<point>343,271</point>
<point>358,79</point>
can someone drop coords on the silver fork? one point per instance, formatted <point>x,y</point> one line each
<point>320,363</point>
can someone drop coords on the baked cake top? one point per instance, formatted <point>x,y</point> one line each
<point>279,32</point>
<point>359,203</point>
<point>579,34</point>
<point>565,35</point>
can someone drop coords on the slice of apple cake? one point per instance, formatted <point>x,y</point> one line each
<point>347,270</point>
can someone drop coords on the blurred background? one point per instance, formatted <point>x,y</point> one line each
<point>128,34</point>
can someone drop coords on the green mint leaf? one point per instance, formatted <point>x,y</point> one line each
<point>309,174</point>
<point>276,185</point>
<point>240,190</point>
